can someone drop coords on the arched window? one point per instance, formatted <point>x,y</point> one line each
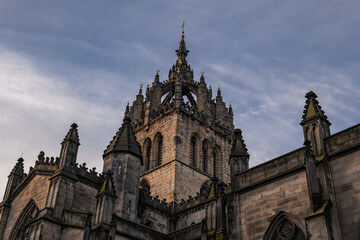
<point>158,140</point>
<point>147,154</point>
<point>285,226</point>
<point>205,155</point>
<point>194,152</point>
<point>23,227</point>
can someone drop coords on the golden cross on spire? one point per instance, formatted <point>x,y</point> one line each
<point>183,29</point>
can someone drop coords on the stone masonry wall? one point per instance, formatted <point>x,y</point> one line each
<point>187,181</point>
<point>84,197</point>
<point>37,190</point>
<point>346,178</point>
<point>161,181</point>
<point>259,205</point>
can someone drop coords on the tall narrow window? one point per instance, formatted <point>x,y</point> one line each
<point>147,151</point>
<point>193,151</point>
<point>214,163</point>
<point>217,166</point>
<point>205,156</point>
<point>160,148</point>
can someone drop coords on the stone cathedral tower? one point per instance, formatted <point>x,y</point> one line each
<point>182,132</point>
<point>179,143</point>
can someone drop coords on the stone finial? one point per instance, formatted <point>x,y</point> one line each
<point>140,89</point>
<point>202,78</point>
<point>127,109</point>
<point>157,77</point>
<point>231,110</point>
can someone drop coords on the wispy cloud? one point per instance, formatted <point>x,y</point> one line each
<point>268,104</point>
<point>81,61</point>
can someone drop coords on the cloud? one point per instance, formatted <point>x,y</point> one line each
<point>37,111</point>
<point>268,104</point>
<point>81,61</point>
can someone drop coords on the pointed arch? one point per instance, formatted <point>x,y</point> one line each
<point>22,227</point>
<point>194,151</point>
<point>158,149</point>
<point>147,154</point>
<point>285,226</point>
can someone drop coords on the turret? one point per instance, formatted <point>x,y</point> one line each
<point>105,200</point>
<point>315,124</point>
<point>62,182</point>
<point>137,110</point>
<point>69,147</point>
<point>239,157</point>
<point>123,157</point>
<point>202,100</point>
<point>15,177</point>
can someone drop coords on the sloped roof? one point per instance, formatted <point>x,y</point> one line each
<point>239,146</point>
<point>312,109</point>
<point>18,168</point>
<point>124,141</point>
<point>108,185</point>
<point>72,135</point>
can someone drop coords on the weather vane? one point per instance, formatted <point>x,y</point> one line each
<point>183,29</point>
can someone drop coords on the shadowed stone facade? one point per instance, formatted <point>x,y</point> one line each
<point>177,169</point>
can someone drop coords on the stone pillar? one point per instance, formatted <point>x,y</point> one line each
<point>178,95</point>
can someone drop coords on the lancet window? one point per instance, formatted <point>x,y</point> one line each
<point>158,154</point>
<point>147,154</point>
<point>194,151</point>
<point>205,155</point>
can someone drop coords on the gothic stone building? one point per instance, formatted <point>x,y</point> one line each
<point>177,169</point>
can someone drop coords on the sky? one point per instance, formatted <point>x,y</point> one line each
<point>81,61</point>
